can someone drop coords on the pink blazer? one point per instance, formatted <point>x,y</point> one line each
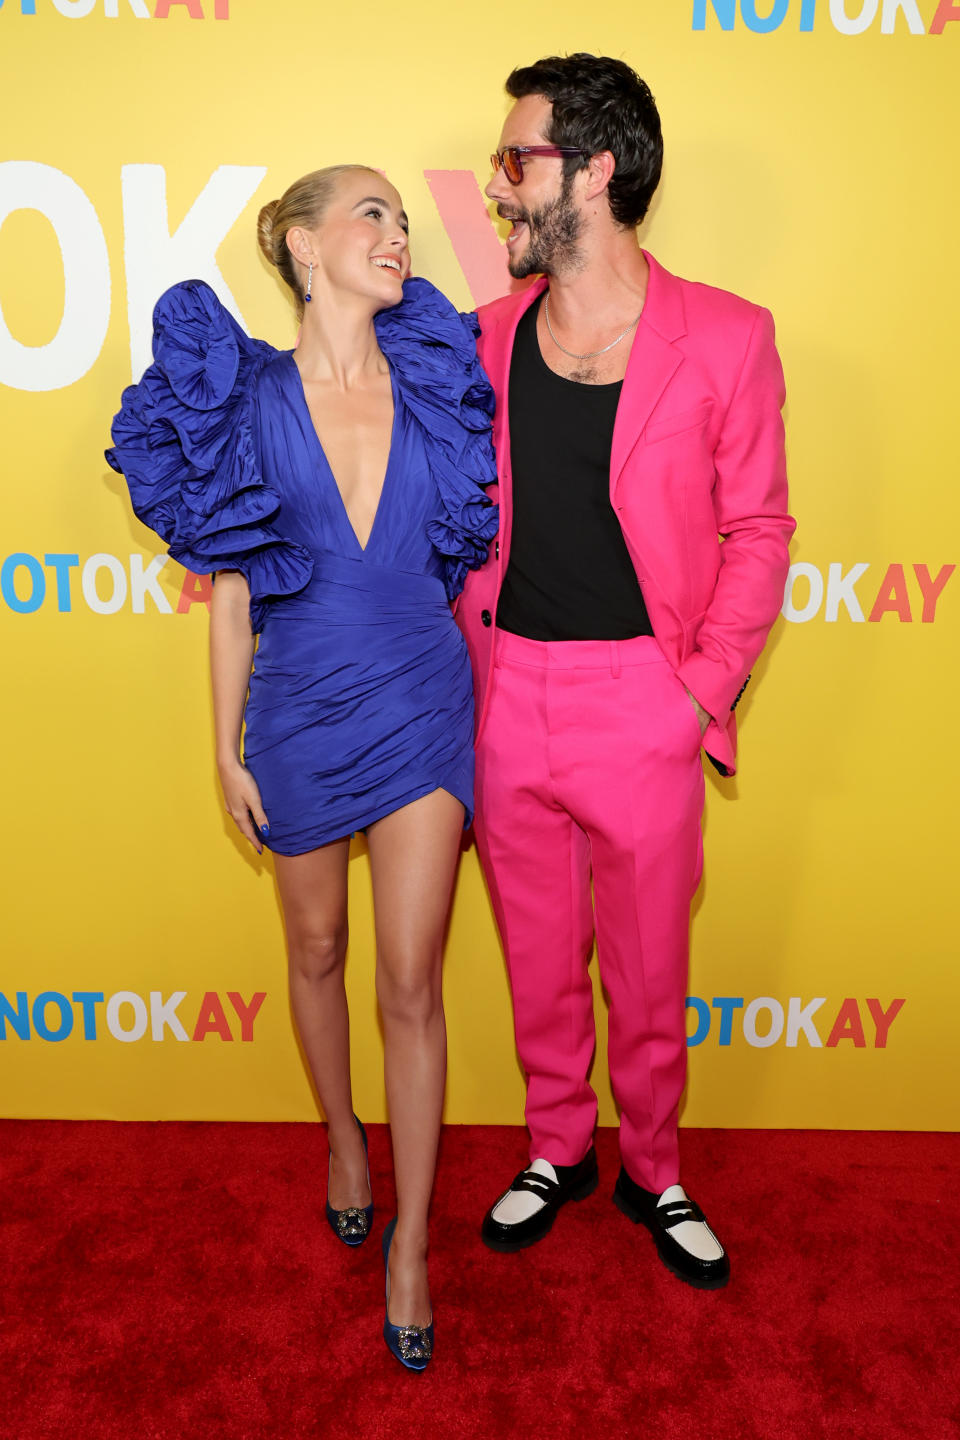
<point>697,478</point>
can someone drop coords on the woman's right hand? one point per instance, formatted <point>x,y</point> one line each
<point>241,795</point>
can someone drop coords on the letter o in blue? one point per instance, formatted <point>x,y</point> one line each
<point>51,997</point>
<point>703,1020</point>
<point>11,565</point>
<point>763,24</point>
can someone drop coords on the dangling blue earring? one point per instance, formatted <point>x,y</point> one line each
<point>307,296</point>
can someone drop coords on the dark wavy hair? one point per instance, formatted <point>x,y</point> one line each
<point>601,104</point>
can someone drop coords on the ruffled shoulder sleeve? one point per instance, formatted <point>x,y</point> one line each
<point>186,439</point>
<point>432,351</point>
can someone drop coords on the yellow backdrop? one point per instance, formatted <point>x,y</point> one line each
<point>143,969</point>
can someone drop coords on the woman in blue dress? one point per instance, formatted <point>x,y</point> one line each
<point>337,492</point>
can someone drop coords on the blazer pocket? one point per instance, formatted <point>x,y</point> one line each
<point>677,424</point>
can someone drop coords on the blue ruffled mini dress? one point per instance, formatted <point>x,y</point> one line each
<point>360,698</point>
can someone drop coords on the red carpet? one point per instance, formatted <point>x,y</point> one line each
<point>165,1282</point>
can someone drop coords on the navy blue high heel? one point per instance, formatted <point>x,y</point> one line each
<point>352,1225</point>
<point>412,1344</point>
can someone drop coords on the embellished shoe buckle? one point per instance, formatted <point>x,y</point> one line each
<point>352,1223</point>
<point>414,1342</point>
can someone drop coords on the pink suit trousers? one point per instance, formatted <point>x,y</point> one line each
<point>588,769</point>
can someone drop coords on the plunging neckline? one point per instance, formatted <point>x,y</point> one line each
<point>363,549</point>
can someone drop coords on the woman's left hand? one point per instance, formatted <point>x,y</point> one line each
<point>242,797</point>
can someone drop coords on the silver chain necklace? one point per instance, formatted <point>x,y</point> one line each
<point>592,354</point>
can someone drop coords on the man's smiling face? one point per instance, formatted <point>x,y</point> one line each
<point>546,218</point>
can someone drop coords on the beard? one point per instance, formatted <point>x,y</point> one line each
<point>552,235</point>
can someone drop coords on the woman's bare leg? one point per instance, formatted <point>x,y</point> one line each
<point>413,857</point>
<point>313,892</point>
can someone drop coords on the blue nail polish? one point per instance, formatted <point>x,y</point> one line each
<point>264,829</point>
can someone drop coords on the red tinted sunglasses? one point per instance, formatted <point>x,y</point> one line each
<point>510,158</point>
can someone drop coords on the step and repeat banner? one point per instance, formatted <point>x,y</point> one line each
<point>808,166</point>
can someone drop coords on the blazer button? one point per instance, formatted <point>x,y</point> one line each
<point>486,617</point>
<point>496,552</point>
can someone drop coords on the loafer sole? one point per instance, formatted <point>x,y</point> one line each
<point>699,1282</point>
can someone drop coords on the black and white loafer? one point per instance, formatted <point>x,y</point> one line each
<point>684,1240</point>
<point>524,1213</point>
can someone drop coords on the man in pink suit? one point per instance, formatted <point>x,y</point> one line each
<point>640,563</point>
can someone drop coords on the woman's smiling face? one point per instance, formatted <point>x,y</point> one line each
<point>361,244</point>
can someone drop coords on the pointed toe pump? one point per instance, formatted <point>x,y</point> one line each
<point>354,1224</point>
<point>411,1344</point>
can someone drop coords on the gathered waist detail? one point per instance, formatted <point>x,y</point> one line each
<point>352,590</point>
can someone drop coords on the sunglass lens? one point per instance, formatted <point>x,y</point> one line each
<point>512,167</point>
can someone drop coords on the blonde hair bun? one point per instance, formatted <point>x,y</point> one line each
<point>265,230</point>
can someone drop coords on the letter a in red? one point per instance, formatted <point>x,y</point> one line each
<point>211,1017</point>
<point>946,11</point>
<point>162,11</point>
<point>848,1025</point>
<point>195,590</point>
<point>892,595</point>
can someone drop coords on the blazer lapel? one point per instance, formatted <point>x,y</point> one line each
<point>496,355</point>
<point>654,360</point>
<point>496,344</point>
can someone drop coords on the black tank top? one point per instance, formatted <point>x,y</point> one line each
<point>569,576</point>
